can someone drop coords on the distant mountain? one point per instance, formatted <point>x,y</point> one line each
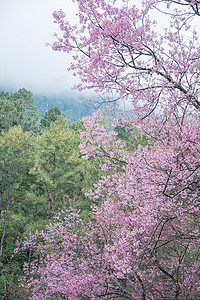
<point>74,107</point>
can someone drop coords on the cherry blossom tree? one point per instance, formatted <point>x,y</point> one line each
<point>119,53</point>
<point>143,241</point>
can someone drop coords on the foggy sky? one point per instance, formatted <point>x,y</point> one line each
<point>25,60</point>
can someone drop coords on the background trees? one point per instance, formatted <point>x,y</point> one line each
<point>17,151</point>
<point>41,173</point>
<point>50,116</point>
<point>16,159</point>
<point>17,109</point>
<point>58,164</point>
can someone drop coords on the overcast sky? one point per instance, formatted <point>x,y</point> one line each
<point>25,60</point>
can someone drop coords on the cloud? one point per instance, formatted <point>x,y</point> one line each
<point>25,28</point>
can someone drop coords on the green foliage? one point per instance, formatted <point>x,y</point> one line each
<point>50,116</point>
<point>33,165</point>
<point>17,109</point>
<point>77,127</point>
<point>131,136</point>
<point>59,166</point>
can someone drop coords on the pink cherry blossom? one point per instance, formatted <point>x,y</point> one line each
<point>143,239</point>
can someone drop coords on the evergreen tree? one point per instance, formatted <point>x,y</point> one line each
<point>17,109</point>
<point>50,116</point>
